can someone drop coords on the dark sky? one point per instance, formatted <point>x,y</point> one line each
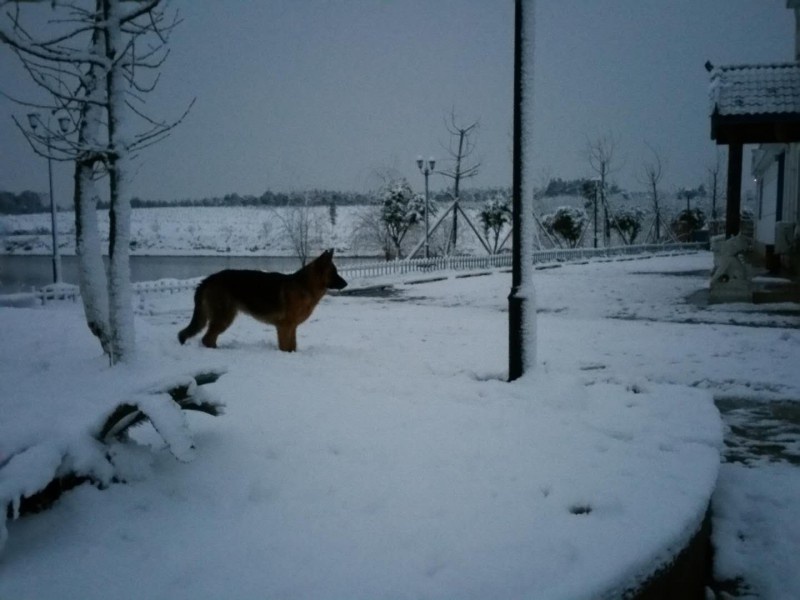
<point>295,95</point>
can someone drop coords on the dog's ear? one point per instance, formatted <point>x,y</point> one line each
<point>326,256</point>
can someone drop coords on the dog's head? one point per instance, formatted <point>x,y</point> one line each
<point>331,277</point>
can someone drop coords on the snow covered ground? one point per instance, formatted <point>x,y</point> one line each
<point>389,459</point>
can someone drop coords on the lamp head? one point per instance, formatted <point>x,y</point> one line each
<point>34,120</point>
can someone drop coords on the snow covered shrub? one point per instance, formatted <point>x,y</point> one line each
<point>693,217</point>
<point>687,221</point>
<point>401,209</point>
<point>628,222</point>
<point>33,477</point>
<point>568,223</point>
<point>495,215</point>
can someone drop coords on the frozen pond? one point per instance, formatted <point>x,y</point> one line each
<point>21,273</point>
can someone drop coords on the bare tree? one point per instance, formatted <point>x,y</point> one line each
<point>96,60</point>
<point>652,173</point>
<point>301,228</point>
<point>600,153</point>
<point>369,231</point>
<point>461,147</point>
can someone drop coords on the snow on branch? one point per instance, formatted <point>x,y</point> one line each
<point>59,62</point>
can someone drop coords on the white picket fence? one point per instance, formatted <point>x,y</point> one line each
<point>462,263</point>
<point>401,267</point>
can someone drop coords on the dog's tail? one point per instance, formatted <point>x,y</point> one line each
<point>199,316</point>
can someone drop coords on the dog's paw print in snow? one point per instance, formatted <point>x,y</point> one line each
<point>435,566</point>
<point>581,508</point>
<point>334,449</point>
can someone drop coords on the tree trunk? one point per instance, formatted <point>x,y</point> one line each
<point>658,212</point>
<point>102,73</point>
<point>91,270</point>
<point>456,186</point>
<point>123,340</point>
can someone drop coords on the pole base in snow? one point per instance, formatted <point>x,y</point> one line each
<point>516,335</point>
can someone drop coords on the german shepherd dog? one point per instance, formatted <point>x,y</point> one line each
<point>279,299</point>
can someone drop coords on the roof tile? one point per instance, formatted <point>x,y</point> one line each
<point>755,89</point>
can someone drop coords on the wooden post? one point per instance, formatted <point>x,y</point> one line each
<point>733,216</point>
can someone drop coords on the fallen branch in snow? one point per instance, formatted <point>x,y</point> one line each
<point>32,479</point>
<point>185,394</point>
<point>44,498</point>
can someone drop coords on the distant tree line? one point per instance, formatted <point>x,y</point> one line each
<point>23,203</point>
<point>268,198</point>
<point>573,187</point>
<point>306,198</point>
<point>32,202</point>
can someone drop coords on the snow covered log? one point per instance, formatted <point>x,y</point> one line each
<point>33,478</point>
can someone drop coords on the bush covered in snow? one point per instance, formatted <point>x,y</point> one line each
<point>495,215</point>
<point>568,223</point>
<point>401,209</point>
<point>628,222</point>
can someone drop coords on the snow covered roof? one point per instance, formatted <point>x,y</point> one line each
<point>756,89</point>
<point>755,103</point>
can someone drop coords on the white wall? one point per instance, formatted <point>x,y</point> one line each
<point>767,203</point>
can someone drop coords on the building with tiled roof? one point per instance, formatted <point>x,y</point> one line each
<point>755,103</point>
<point>756,89</point>
<point>760,104</point>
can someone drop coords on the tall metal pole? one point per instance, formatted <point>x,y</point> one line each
<point>426,168</point>
<point>516,333</point>
<point>53,217</point>
<point>596,188</point>
<point>427,249</point>
<point>35,121</point>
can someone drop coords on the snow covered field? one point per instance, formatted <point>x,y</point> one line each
<point>180,230</point>
<point>389,459</point>
<point>247,230</point>
<point>204,231</point>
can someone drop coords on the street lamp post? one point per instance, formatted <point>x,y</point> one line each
<point>596,193</point>
<point>35,121</point>
<point>426,169</point>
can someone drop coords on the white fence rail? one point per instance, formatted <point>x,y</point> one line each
<point>400,267</point>
<point>462,263</point>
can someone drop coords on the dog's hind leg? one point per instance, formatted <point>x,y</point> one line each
<point>221,319</point>
<point>197,324</point>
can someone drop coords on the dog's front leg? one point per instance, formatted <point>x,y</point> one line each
<point>287,338</point>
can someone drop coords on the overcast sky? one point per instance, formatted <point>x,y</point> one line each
<point>295,95</point>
